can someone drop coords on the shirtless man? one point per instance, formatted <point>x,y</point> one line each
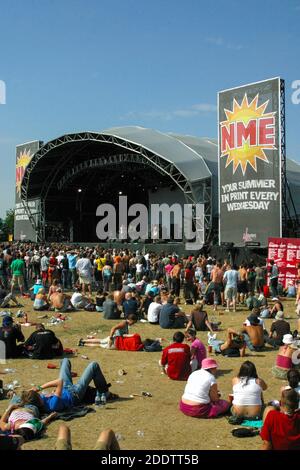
<point>253,334</point>
<point>60,301</point>
<point>217,283</point>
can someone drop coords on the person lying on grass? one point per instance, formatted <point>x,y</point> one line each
<point>67,395</point>
<point>21,420</point>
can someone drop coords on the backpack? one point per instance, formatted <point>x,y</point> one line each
<point>245,432</point>
<point>153,347</point>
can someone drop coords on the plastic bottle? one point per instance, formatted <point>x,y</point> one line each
<point>98,400</point>
<point>103,399</point>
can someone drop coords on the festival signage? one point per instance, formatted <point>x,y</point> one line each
<point>286,254</point>
<point>250,163</point>
<point>23,229</point>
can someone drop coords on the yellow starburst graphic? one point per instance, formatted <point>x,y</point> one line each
<point>22,162</point>
<point>246,133</point>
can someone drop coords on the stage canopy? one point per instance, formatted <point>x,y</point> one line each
<point>187,162</point>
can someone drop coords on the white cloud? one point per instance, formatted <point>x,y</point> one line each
<point>219,41</point>
<point>191,111</point>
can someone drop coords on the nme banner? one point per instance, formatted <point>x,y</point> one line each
<point>23,229</point>
<point>286,254</point>
<point>250,163</point>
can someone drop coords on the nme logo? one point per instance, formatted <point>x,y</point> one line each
<point>246,133</point>
<point>2,92</point>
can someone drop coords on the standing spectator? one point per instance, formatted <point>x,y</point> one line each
<point>168,270</point>
<point>274,273</point>
<point>175,361</point>
<point>72,260</point>
<point>107,276</point>
<point>3,276</point>
<point>217,274</point>
<point>85,273</point>
<point>44,268</point>
<point>64,267</point>
<point>17,270</point>
<point>118,272</point>
<point>231,277</point>
<point>260,279</point>
<point>189,283</point>
<point>36,264</point>
<point>175,274</point>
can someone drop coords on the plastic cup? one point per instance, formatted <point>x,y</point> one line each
<point>230,397</point>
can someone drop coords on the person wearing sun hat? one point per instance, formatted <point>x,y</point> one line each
<point>285,357</point>
<point>201,398</point>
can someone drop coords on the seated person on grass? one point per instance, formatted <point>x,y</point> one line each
<point>171,316</point>
<point>198,350</point>
<point>35,288</point>
<point>43,344</point>
<point>40,302</point>
<point>12,336</point>
<point>121,329</point>
<point>234,345</point>
<point>248,393</point>
<point>6,297</point>
<point>176,357</point>
<point>254,334</point>
<point>199,320</point>
<point>61,302</point>
<point>281,428</point>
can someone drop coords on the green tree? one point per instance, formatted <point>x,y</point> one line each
<point>7,224</point>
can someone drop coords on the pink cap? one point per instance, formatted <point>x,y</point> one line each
<point>209,364</point>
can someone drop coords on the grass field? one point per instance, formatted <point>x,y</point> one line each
<point>161,424</point>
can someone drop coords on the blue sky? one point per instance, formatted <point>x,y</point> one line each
<point>73,65</point>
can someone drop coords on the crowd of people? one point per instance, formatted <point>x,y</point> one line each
<point>132,286</point>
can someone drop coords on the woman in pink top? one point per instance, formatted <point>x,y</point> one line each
<point>198,350</point>
<point>168,268</point>
<point>284,358</point>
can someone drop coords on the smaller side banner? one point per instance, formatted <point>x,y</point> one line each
<point>286,254</point>
<point>23,229</point>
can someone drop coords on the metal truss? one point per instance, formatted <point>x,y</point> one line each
<point>135,154</point>
<point>288,220</point>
